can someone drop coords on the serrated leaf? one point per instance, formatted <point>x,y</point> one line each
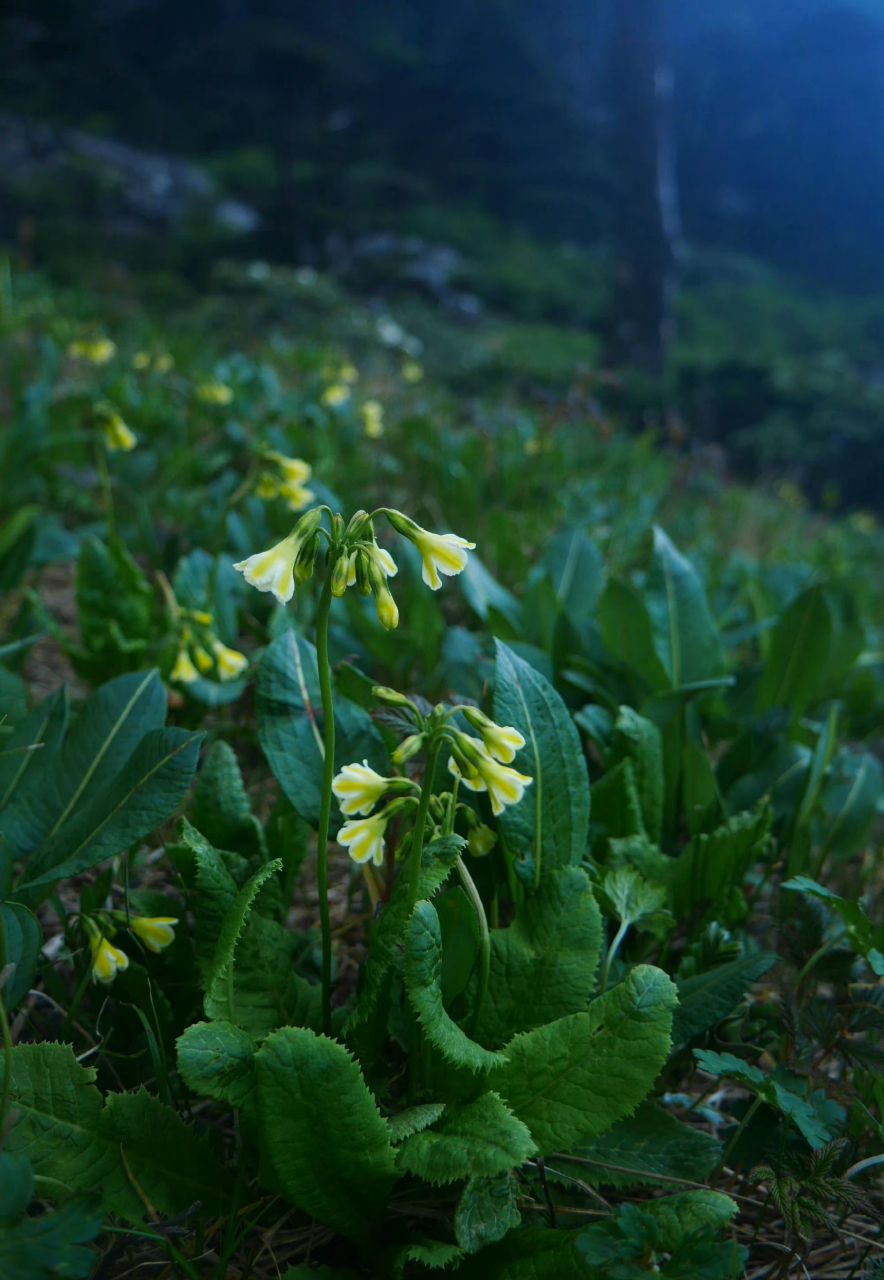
<point>685,636</point>
<point>715,862</point>
<point>631,897</point>
<point>268,991</point>
<point>574,1078</point>
<point>474,1140</point>
<point>144,793</point>
<point>423,982</point>
<point>437,1255</point>
<point>220,807</point>
<point>328,1143</point>
<point>413,1120</point>
<point>488,1208</point>
<point>20,944</point>
<point>857,924</point>
<point>543,966</point>
<point>773,1091</point>
<point>215,892</point>
<point>637,739</point>
<point>217,1060</point>
<point>530,1253</point>
<point>707,998</point>
<point>681,1214</point>
<point>798,653</point>
<point>50,1245</point>
<point>388,932</point>
<point>650,1142</point>
<point>114,608</point>
<point>289,710</point>
<point>552,820</point>
<point>220,999</point>
<point>70,1137</point>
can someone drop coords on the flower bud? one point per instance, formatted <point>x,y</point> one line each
<point>402,524</point>
<point>306,559</point>
<point>337,526</point>
<point>465,766</point>
<point>391,697</point>
<point>308,524</point>
<point>340,573</point>
<point>359,527</point>
<point>477,718</point>
<point>363,572</point>
<point>409,747</point>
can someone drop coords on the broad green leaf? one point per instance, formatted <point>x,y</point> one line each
<point>543,966</point>
<point>328,1143</point>
<point>220,999</point>
<point>552,820</point>
<point>423,982</point>
<point>488,1208</point>
<point>629,639</point>
<point>220,808</point>
<point>215,891</point>
<point>474,1140</point>
<point>268,991</point>
<point>616,807</point>
<point>144,793</point>
<point>51,1245</point>
<point>437,1255</point>
<point>630,896</point>
<point>850,797</point>
<point>105,734</point>
<point>388,933</point>
<point>217,1060</point>
<point>16,1188</point>
<point>646,1148</point>
<point>679,1215</point>
<point>114,609</point>
<point>639,740</point>
<point>460,941</point>
<point>530,1253</point>
<point>859,928</point>
<point>799,651</point>
<point>45,726</point>
<point>685,636</point>
<point>572,1079</point>
<point>773,1091</point>
<point>20,940</point>
<point>289,710</point>
<point>70,1137</point>
<point>707,998</point>
<point>575,565</point>
<point>485,595</point>
<point>413,1120</point>
<point>714,863</point>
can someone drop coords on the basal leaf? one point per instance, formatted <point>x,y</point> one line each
<point>707,998</point>
<point>650,1142</point>
<point>681,1214</point>
<point>51,1245</point>
<point>220,999</point>
<point>217,1060</point>
<point>20,944</point>
<point>220,808</point>
<point>487,1210</point>
<point>639,740</point>
<point>531,1253</point>
<point>629,639</point>
<point>572,1079</point>
<point>685,635</point>
<point>328,1143</point>
<point>799,652</point>
<point>44,729</point>
<point>215,892</point>
<point>552,820</point>
<point>577,570</point>
<point>714,863</point>
<point>475,1140</point>
<point>413,1120</point>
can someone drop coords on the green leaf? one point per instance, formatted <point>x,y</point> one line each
<point>552,820</point>
<point>289,710</point>
<point>574,1078</point>
<point>771,1090</point>
<point>106,732</point>
<point>577,570</point>
<point>485,595</point>
<point>679,1215</point>
<point>268,991</point>
<point>413,1120</point>
<point>859,927</point>
<point>639,740</point>
<point>714,863</point>
<point>438,1255</point>
<point>626,630</point>
<point>543,966</point>
<point>114,608</point>
<point>460,941</point>
<point>474,1140</point>
<point>647,1147</point>
<point>707,998</point>
<point>531,1253</point>
<point>488,1208</point>
<point>16,1188</point>
<point>220,808</point>
<point>50,1245</point>
<point>328,1143</point>
<point>71,1138</point>
<point>685,636</point>
<point>631,897</point>
<point>215,893</point>
<point>20,943</point>
<point>45,726</point>
<point>220,999</point>
<point>616,808</point>
<point>851,795</point>
<point>423,982</point>
<point>799,651</point>
<point>144,793</point>
<point>217,1060</point>
<point>388,933</point>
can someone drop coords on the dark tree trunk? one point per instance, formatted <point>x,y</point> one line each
<point>645,206</point>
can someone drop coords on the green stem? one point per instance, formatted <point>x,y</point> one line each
<point>612,951</point>
<point>740,1127</point>
<point>484,943</point>
<point>328,773</point>
<point>417,839</point>
<point>7,1040</point>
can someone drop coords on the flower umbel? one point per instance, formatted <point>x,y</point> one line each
<point>156,932</point>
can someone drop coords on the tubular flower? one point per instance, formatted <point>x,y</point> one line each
<point>500,741</point>
<point>268,486</point>
<point>481,840</point>
<point>273,570</point>
<point>335,396</point>
<point>156,932</point>
<point>107,960</point>
<point>231,662</point>
<point>386,606</point>
<point>504,785</point>
<point>117,436</point>
<point>204,660</point>
<point>358,788</point>
<point>184,672</point>
<point>364,838</point>
<point>99,351</point>
<point>441,552</point>
<point>373,417</point>
<point>294,470</point>
<point>379,557</point>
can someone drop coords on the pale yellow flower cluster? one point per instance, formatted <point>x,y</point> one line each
<point>229,663</point>
<point>96,350</point>
<point>482,763</point>
<point>358,788</point>
<point>155,932</point>
<point>287,481</point>
<point>214,392</point>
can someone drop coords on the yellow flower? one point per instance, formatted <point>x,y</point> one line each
<point>294,470</point>
<point>296,496</point>
<point>441,552</point>
<point>273,570</point>
<point>214,393</point>
<point>117,436</point>
<point>364,839</point>
<point>501,741</point>
<point>156,932</point>
<point>141,360</point>
<point>199,615</point>
<point>504,785</point>
<point>335,396</point>
<point>204,660</point>
<point>373,417</point>
<point>481,840</point>
<point>412,372</point>
<point>231,662</point>
<point>107,960</point>
<point>381,558</point>
<point>358,788</point>
<point>387,609</point>
<point>98,351</point>
<point>268,486</point>
<point>184,672</point>
<point>349,373</point>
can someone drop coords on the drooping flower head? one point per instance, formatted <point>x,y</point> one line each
<point>441,553</point>
<point>118,437</point>
<point>358,788</point>
<point>231,663</point>
<point>214,392</point>
<point>107,960</point>
<point>274,570</point>
<point>500,741</point>
<point>97,351</point>
<point>505,786</point>
<point>156,932</point>
<point>184,672</point>
<point>373,418</point>
<point>335,396</point>
<point>364,838</point>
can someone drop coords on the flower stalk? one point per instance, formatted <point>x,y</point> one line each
<point>328,773</point>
